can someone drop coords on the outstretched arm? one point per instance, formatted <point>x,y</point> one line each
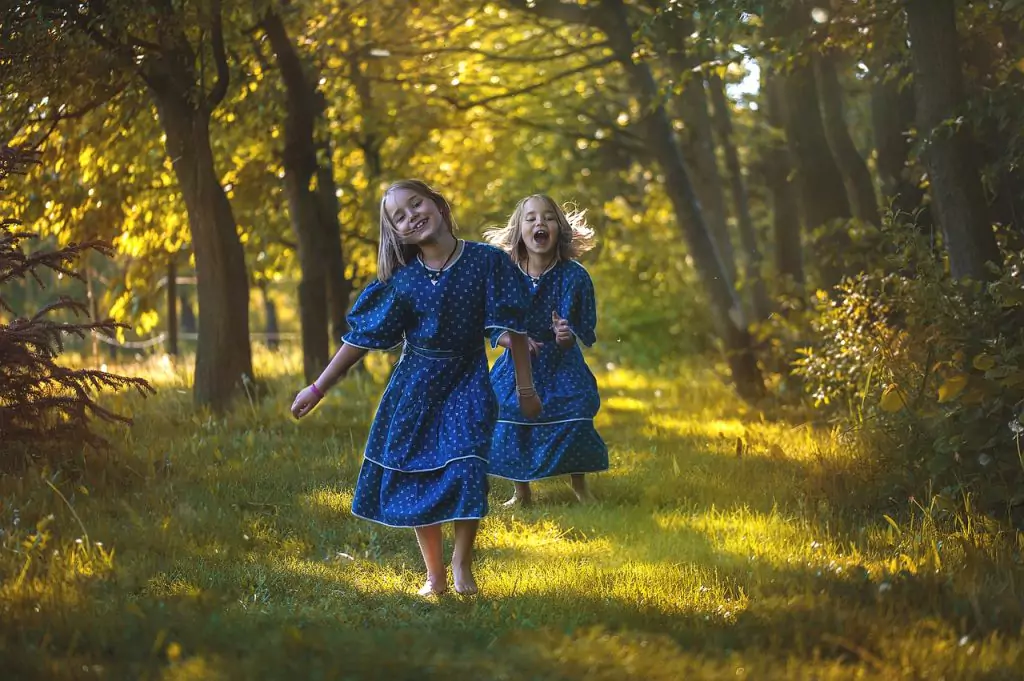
<point>343,360</point>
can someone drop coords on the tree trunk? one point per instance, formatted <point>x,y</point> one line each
<point>949,153</point>
<point>172,306</point>
<point>223,354</point>
<point>860,189</point>
<point>662,144</point>
<point>892,117</point>
<point>339,288</point>
<point>776,169</point>
<point>752,257</point>
<point>698,148</point>
<point>271,327</point>
<point>697,136</point>
<point>188,315</point>
<point>300,169</point>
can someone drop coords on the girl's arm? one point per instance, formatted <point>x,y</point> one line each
<point>529,403</point>
<point>503,342</point>
<point>343,360</point>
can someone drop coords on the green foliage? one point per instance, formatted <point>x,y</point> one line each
<point>930,369</point>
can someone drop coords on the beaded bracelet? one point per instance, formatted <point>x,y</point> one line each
<point>526,391</point>
<point>316,390</point>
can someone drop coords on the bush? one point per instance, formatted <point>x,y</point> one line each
<point>930,370</point>
<point>46,409</point>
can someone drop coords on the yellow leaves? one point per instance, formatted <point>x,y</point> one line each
<point>893,399</point>
<point>952,387</point>
<point>983,362</point>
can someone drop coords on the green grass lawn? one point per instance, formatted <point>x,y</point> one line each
<point>724,546</point>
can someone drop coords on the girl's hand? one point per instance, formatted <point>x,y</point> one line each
<point>563,334</point>
<point>535,346</point>
<point>305,401</point>
<point>530,405</point>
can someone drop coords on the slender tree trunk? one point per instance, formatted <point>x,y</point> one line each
<point>172,306</point>
<point>271,326</point>
<point>860,189</point>
<point>698,148</point>
<point>955,181</point>
<point>339,287</point>
<point>188,315</point>
<point>819,184</point>
<point>300,167</point>
<point>223,354</point>
<point>776,169</point>
<point>663,146</point>
<point>752,257</point>
<point>697,141</point>
<point>892,117</point>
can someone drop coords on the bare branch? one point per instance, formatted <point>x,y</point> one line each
<point>497,56</point>
<point>569,12</point>
<point>220,57</point>
<point>533,86</point>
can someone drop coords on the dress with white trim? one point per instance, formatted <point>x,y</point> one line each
<point>562,440</point>
<point>425,460</point>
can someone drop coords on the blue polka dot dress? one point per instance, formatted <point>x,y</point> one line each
<point>426,458</point>
<point>562,440</point>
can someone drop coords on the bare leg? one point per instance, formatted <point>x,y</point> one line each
<point>432,548</point>
<point>578,481</point>
<point>522,497</point>
<point>462,557</point>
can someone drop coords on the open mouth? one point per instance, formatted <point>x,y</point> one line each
<point>541,237</point>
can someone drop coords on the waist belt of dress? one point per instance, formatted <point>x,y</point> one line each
<point>431,353</point>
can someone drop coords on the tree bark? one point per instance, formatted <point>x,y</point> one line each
<point>892,116</point>
<point>339,287</point>
<point>860,189</point>
<point>172,306</point>
<point>188,315</point>
<point>954,178</point>
<point>223,354</point>
<point>271,326</point>
<point>300,172</point>
<point>776,170</point>
<point>663,146</point>
<point>697,136</point>
<point>752,257</point>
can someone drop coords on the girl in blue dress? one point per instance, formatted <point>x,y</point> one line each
<point>437,296</point>
<point>544,242</point>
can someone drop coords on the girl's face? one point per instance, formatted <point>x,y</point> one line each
<point>416,218</point>
<point>539,227</point>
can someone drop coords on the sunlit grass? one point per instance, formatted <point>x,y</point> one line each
<point>725,545</point>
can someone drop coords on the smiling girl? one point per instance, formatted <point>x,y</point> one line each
<point>544,242</point>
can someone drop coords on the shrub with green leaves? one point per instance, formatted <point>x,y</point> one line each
<point>929,369</point>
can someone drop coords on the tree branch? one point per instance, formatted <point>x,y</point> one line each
<point>498,56</point>
<point>220,57</point>
<point>569,12</point>
<point>530,88</point>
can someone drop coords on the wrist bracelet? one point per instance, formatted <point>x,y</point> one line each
<point>316,390</point>
<point>526,391</point>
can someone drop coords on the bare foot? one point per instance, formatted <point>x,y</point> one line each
<point>465,584</point>
<point>580,489</point>
<point>517,500</point>
<point>434,587</point>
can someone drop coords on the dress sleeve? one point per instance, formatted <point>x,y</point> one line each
<point>507,297</point>
<point>378,318</point>
<point>583,308</point>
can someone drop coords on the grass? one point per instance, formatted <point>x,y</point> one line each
<point>725,546</point>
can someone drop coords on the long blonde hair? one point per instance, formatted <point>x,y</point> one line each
<point>574,236</point>
<point>392,254</point>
